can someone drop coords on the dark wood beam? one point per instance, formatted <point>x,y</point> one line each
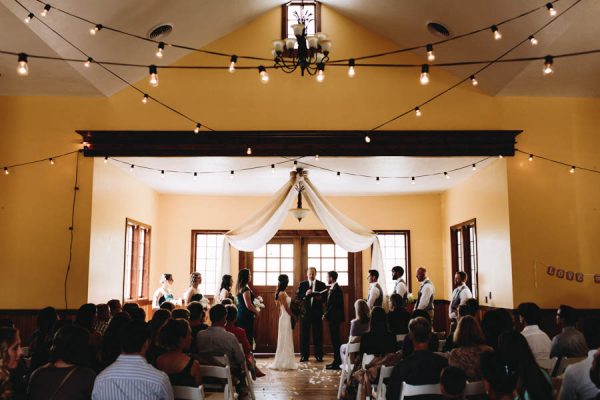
<point>299,143</point>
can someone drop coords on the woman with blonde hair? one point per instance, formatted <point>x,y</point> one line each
<point>192,293</point>
<point>359,325</point>
<point>10,354</point>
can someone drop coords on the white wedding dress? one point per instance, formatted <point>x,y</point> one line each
<point>284,355</point>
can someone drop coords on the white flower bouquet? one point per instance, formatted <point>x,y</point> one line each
<point>258,303</point>
<point>410,298</point>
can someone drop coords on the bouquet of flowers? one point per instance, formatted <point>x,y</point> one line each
<point>298,310</point>
<point>258,303</point>
<point>410,298</point>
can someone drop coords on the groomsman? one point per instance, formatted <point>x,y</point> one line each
<point>399,285</point>
<point>460,295</point>
<point>375,297</point>
<point>309,292</point>
<point>334,314</point>
<point>426,293</point>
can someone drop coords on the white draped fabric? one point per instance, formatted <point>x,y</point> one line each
<point>346,233</point>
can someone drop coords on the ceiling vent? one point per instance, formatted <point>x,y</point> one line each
<point>160,31</point>
<point>438,29</point>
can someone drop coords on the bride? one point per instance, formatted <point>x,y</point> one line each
<point>284,356</point>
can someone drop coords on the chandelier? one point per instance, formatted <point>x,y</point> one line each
<point>299,212</point>
<point>311,54</point>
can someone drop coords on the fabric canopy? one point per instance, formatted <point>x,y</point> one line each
<point>260,229</point>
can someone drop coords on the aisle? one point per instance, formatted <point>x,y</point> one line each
<point>311,380</point>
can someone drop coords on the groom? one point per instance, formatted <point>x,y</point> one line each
<point>309,292</point>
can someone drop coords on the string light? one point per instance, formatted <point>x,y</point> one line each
<point>96,29</point>
<point>320,72</point>
<point>377,180</point>
<point>551,10</point>
<point>131,168</point>
<point>273,169</point>
<point>88,62</point>
<point>195,176</point>
<point>430,55</point>
<point>231,173</point>
<point>22,67</point>
<point>533,40</point>
<point>572,170</point>
<point>161,48</point>
<point>447,175</point>
<point>412,180</point>
<point>367,139</point>
<point>29,17</point>
<point>474,81</point>
<point>162,173</point>
<point>6,171</point>
<point>496,32</point>
<point>106,160</point>
<point>424,78</point>
<point>44,12</point>
<point>262,73</point>
<point>145,99</point>
<point>316,157</point>
<point>295,162</point>
<point>548,62</point>
<point>500,156</point>
<point>338,175</point>
<point>51,161</point>
<point>474,167</point>
<point>232,62</point>
<point>153,76</point>
<point>197,128</point>
<point>351,68</point>
<point>249,151</point>
<point>531,157</point>
<point>418,111</point>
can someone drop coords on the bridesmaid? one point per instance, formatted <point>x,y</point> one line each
<point>246,310</point>
<point>192,293</point>
<point>225,291</point>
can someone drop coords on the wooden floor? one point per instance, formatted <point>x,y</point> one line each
<point>310,381</point>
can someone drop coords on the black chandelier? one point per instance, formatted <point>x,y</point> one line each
<point>309,53</point>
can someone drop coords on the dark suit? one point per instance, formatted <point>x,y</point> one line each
<point>312,320</point>
<point>334,314</point>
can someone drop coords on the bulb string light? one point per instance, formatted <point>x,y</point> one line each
<point>571,166</point>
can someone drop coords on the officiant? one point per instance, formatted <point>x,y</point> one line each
<point>310,293</point>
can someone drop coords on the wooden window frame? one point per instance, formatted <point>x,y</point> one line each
<point>196,232</point>
<point>134,279</point>
<point>463,227</point>
<point>408,270</point>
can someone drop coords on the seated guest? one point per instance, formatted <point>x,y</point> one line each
<point>102,318</point>
<point>115,307</point>
<point>111,346</point>
<point>407,344</point>
<point>129,307</point>
<point>359,325</point>
<point>494,323</point>
<point>453,382</point>
<point>539,342</point>
<point>181,313</point>
<point>398,317</point>
<point>227,302</point>
<point>138,314</point>
<point>469,344</point>
<point>378,340</point>
<point>577,382</point>
<point>85,318</point>
<point>595,372</point>
<point>39,346</point>
<point>240,335</point>
<point>463,310</point>
<point>130,377</point>
<point>11,384</point>
<point>499,380</point>
<point>196,321</point>
<point>67,376</point>
<point>176,339</point>
<point>159,319</point>
<point>167,305</point>
<point>570,342</point>
<point>422,367</point>
<point>514,352</point>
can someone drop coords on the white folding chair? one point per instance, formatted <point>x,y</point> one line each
<point>222,371</point>
<point>474,389</point>
<point>188,393</point>
<point>400,338</point>
<point>249,382</point>
<point>384,372</point>
<point>419,390</point>
<point>563,363</point>
<point>346,367</point>
<point>366,358</point>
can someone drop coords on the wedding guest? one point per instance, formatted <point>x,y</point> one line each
<point>538,340</point>
<point>378,340</point>
<point>570,342</point>
<point>192,293</point>
<point>245,299</point>
<point>426,293</point>
<point>470,343</point>
<point>67,376</point>
<point>167,305</point>
<point>165,292</point>
<point>159,319</point>
<point>130,377</point>
<point>115,307</point>
<point>39,347</point>
<point>227,302</point>
<point>197,315</point>
<point>138,314</point>
<point>532,382</point>
<point>181,313</point>
<point>359,325</point>
<point>422,367</point>
<point>460,295</point>
<point>453,382</point>
<point>408,343</point>
<point>399,283</point>
<point>102,318</point>
<point>240,335</point>
<point>398,317</point>
<point>463,311</point>
<point>225,290</point>
<point>375,296</point>
<point>595,372</point>
<point>494,323</point>
<point>11,385</point>
<point>130,308</point>
<point>499,380</point>
<point>334,314</point>
<point>176,339</point>
<point>577,382</point>
<point>111,345</point>
<point>85,318</point>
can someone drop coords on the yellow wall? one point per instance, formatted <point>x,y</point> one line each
<point>484,196</point>
<point>553,216</point>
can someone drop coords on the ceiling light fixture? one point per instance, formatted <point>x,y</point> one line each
<point>351,68</point>
<point>551,10</point>
<point>430,55</point>
<point>44,12</point>
<point>424,78</point>
<point>232,62</point>
<point>95,29</point>
<point>22,67</point>
<point>496,32</point>
<point>533,40</point>
<point>161,49</point>
<point>548,62</point>
<point>153,76</point>
<point>28,18</point>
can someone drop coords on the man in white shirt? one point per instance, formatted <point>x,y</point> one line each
<point>426,293</point>
<point>538,340</point>
<point>460,295</point>
<point>375,298</point>
<point>399,285</point>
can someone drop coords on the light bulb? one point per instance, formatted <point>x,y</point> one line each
<point>6,171</point>
<point>430,55</point>
<point>145,99</point>
<point>572,170</point>
<point>105,160</point>
<point>412,180</point>
<point>424,78</point>
<point>474,81</point>
<point>418,112</point>
<point>29,18</point>
<point>500,156</point>
<point>22,67</point>
<point>161,48</point>
<point>51,161</point>
<point>316,157</point>
<point>474,167</point>
<point>95,29</point>
<point>338,175</point>
<point>88,62</point>
<point>548,62</point>
<point>197,128</point>
<point>531,157</point>
<point>131,168</point>
<point>231,173</point>
<point>232,64</point>
<point>351,70</point>
<point>195,176</point>
<point>447,175</point>
<point>533,40</point>
<point>273,169</point>
<point>320,76</point>
<point>153,76</point>
<point>367,139</point>
<point>249,151</point>
<point>44,12</point>
<point>162,173</point>
<point>551,9</point>
<point>496,32</point>
<point>264,76</point>
<point>377,180</point>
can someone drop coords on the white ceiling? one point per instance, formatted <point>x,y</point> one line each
<point>198,23</point>
<point>264,181</point>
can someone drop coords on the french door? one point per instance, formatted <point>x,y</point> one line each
<point>292,253</point>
